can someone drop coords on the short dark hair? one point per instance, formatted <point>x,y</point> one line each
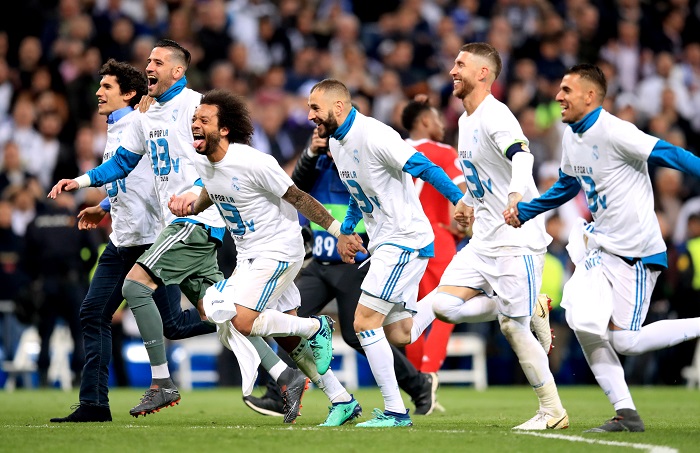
<point>128,78</point>
<point>593,74</point>
<point>411,113</point>
<point>334,86</point>
<point>179,51</point>
<point>487,51</point>
<point>233,114</point>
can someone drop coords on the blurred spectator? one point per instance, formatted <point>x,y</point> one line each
<point>13,171</point>
<point>271,136</point>
<point>20,129</point>
<point>650,89</point>
<point>24,204</point>
<point>7,90</point>
<point>213,35</point>
<point>12,279</point>
<point>57,159</point>
<point>53,261</point>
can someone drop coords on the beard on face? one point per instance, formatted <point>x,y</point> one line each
<point>330,125</point>
<point>467,88</point>
<point>212,140</point>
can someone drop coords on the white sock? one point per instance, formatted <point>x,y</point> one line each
<point>423,318</point>
<point>654,336</point>
<point>160,371</point>
<point>277,370</point>
<point>329,383</point>
<point>533,361</point>
<point>454,310</point>
<point>607,369</point>
<point>381,362</point>
<point>272,323</point>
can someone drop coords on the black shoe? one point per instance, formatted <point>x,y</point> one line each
<point>426,400</point>
<point>84,413</point>
<point>156,399</point>
<point>269,404</point>
<point>293,387</point>
<point>625,420</point>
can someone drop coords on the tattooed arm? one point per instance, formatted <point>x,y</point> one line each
<point>309,207</point>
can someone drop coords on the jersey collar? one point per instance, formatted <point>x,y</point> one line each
<point>119,114</point>
<point>586,122</point>
<point>344,128</point>
<point>172,91</point>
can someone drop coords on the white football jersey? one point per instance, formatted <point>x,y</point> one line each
<point>609,160</point>
<point>247,186</point>
<point>370,159</point>
<point>135,211</point>
<point>164,134</point>
<point>484,137</point>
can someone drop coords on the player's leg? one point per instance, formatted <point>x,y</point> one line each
<point>102,300</point>
<point>518,293</point>
<point>178,323</point>
<point>430,280</point>
<point>181,252</point>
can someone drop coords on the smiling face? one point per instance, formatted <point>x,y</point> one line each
<point>321,112</point>
<point>205,129</point>
<point>109,96</point>
<point>163,71</point>
<point>576,97</point>
<point>464,74</point>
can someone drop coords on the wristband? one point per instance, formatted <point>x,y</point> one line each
<point>334,228</point>
<point>83,181</point>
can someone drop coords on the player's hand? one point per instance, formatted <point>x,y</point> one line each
<point>180,204</point>
<point>318,144</point>
<point>349,245</point>
<point>63,185</point>
<point>464,215</point>
<point>145,103</point>
<point>510,215</point>
<point>89,218</point>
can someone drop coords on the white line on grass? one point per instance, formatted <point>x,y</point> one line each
<point>646,447</point>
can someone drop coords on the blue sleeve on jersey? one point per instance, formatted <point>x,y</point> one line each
<point>421,167</point>
<point>119,166</point>
<point>562,191</point>
<point>199,182</point>
<point>665,154</point>
<point>352,217</point>
<point>105,204</point>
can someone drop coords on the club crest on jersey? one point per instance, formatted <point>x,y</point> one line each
<point>475,137</point>
<point>356,156</point>
<point>234,183</point>
<point>174,117</point>
<point>596,154</point>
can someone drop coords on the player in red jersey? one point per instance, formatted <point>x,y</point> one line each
<point>426,130</point>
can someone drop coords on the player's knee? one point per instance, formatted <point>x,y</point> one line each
<point>243,327</point>
<point>510,327</point>
<point>625,342</point>
<point>445,306</point>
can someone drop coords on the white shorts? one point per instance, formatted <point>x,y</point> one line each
<point>394,275</point>
<point>264,283</point>
<point>515,279</point>
<point>631,290</point>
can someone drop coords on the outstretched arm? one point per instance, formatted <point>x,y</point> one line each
<point>421,167</point>
<point>667,155</point>
<point>562,191</point>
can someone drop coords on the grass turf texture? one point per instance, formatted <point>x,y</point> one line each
<point>217,420</point>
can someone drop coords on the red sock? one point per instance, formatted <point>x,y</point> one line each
<point>414,351</point>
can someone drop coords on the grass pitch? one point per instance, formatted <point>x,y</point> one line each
<point>217,420</point>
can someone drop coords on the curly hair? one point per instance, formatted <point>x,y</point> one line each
<point>128,78</point>
<point>411,112</point>
<point>233,114</point>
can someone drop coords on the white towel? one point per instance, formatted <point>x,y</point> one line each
<point>220,311</point>
<point>587,295</point>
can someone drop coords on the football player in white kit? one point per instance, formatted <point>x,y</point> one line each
<point>621,253</point>
<point>376,166</point>
<point>259,203</point>
<point>498,274</point>
<point>184,252</point>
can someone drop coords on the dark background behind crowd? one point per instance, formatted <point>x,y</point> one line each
<point>386,52</point>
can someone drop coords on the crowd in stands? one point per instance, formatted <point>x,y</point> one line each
<point>386,52</point>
